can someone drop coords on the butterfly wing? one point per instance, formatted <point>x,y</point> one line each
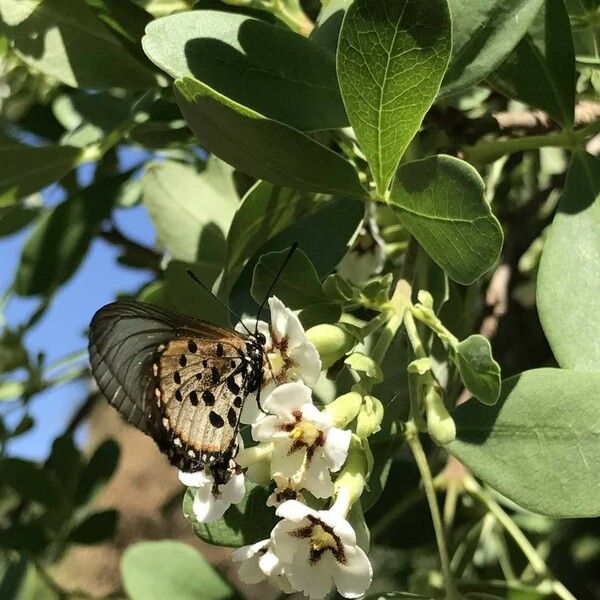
<point>176,378</point>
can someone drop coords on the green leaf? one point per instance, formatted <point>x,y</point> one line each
<point>324,312</point>
<point>539,444</point>
<point>441,201</point>
<point>298,285</point>
<point>249,521</point>
<point>191,211</point>
<point>94,528</point>
<point>30,481</point>
<point>261,147</point>
<point>99,469</point>
<point>26,538</point>
<point>391,58</point>
<point>13,353</point>
<point>483,35</point>
<point>270,69</point>
<point>25,169</point>
<point>265,211</point>
<point>65,461</point>
<point>397,596</point>
<point>568,288</point>
<point>541,69</point>
<point>123,16</point>
<point>14,218</point>
<point>478,369</point>
<point>364,364</point>
<point>169,569</point>
<point>64,39</point>
<point>62,236</point>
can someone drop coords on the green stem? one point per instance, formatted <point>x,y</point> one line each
<point>386,337</point>
<point>374,324</point>
<point>489,151</point>
<point>412,437</point>
<point>413,335</point>
<point>535,560</point>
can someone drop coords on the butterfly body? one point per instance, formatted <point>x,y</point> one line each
<point>181,380</point>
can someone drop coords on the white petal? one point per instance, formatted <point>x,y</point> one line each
<point>342,528</point>
<point>307,358</point>
<point>285,463</point>
<point>336,447</point>
<point>294,511</point>
<point>313,580</point>
<point>207,508</point>
<point>246,552</point>
<point>266,428</point>
<point>287,398</point>
<point>196,479</point>
<point>353,578</point>
<point>270,564</point>
<point>251,324</point>
<point>311,413</point>
<point>285,545</point>
<point>316,478</point>
<point>250,571</point>
<point>250,411</point>
<point>279,318</point>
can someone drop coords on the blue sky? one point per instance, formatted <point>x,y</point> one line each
<point>62,329</point>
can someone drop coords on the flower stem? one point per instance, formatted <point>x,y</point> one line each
<point>412,437</point>
<point>535,560</point>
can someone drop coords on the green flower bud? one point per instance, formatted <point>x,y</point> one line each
<point>440,424</point>
<point>344,408</point>
<point>331,342</point>
<point>350,483</point>
<point>426,299</point>
<point>369,417</point>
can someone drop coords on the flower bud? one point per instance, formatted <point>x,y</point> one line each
<point>332,342</point>
<point>426,299</point>
<point>344,408</point>
<point>369,417</point>
<point>350,483</point>
<point>440,424</point>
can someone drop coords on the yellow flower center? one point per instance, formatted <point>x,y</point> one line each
<point>277,363</point>
<point>305,432</point>
<point>321,539</point>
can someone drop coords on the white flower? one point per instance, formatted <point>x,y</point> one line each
<point>259,563</point>
<point>317,549</point>
<point>306,446</point>
<point>286,488</point>
<point>289,355</point>
<point>367,255</point>
<point>207,506</point>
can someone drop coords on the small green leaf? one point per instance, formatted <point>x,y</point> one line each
<point>324,312</point>
<point>25,169</point>
<point>365,364</point>
<point>191,211</point>
<point>265,211</point>
<point>30,481</point>
<point>391,58</point>
<point>298,285</point>
<point>478,369</point>
<point>441,201</point>
<point>483,35</point>
<point>540,71</point>
<point>99,469</point>
<point>539,444</point>
<point>169,569</point>
<point>50,35</point>
<point>337,288</point>
<point>14,218</point>
<point>94,528</point>
<point>243,523</point>
<point>65,461</point>
<point>26,538</point>
<point>261,147</point>
<point>568,288</point>
<point>270,69</point>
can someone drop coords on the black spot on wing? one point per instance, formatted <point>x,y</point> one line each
<point>216,420</point>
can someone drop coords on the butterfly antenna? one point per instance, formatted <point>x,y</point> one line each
<point>279,272</point>
<point>206,288</point>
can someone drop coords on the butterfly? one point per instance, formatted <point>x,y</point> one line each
<point>181,380</point>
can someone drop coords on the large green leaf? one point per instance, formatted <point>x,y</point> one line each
<point>261,147</point>
<point>25,169</point>
<point>244,523</point>
<point>391,58</point>
<point>539,444</point>
<point>169,569</point>
<point>441,201</point>
<point>297,286</point>
<point>483,35</point>
<point>541,69</point>
<point>191,211</point>
<point>65,40</point>
<point>568,289</point>
<point>265,211</point>
<point>263,66</point>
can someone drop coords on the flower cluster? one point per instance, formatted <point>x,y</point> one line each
<point>300,447</point>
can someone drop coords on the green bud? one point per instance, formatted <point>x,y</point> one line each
<point>344,408</point>
<point>426,299</point>
<point>350,483</point>
<point>440,424</point>
<point>331,342</point>
<point>420,366</point>
<point>369,417</point>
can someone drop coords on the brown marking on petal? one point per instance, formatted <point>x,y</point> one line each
<point>295,446</point>
<point>310,450</point>
<point>301,532</point>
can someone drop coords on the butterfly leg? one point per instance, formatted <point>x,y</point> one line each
<point>258,395</point>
